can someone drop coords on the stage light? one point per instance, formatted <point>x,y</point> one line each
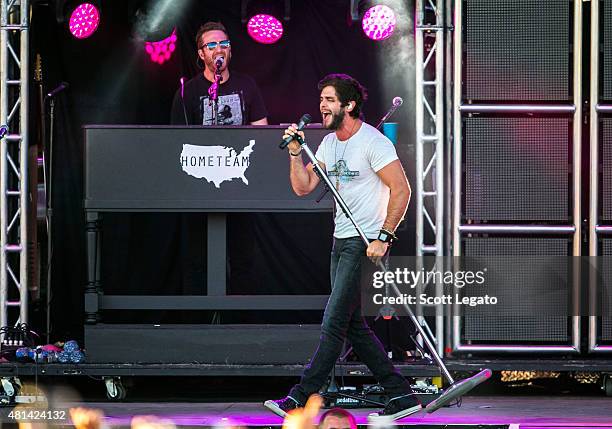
<point>84,20</point>
<point>378,22</point>
<point>265,29</point>
<point>162,50</point>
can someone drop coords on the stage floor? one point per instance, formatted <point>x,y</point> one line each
<point>512,411</point>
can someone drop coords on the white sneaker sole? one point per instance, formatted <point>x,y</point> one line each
<point>376,417</point>
<point>271,405</point>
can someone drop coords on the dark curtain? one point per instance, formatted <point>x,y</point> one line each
<point>112,81</point>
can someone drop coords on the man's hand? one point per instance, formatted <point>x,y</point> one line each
<point>376,250</point>
<point>294,146</point>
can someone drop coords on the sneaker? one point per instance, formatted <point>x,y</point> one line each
<point>398,407</point>
<point>282,406</point>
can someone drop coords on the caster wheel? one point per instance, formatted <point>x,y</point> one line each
<point>607,384</point>
<point>115,391</point>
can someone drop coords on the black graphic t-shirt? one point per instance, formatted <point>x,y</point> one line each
<point>240,102</point>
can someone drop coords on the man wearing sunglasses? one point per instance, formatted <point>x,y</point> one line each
<point>240,101</point>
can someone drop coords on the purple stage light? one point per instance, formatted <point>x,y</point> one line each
<point>162,50</point>
<point>265,29</point>
<point>378,22</point>
<point>84,20</point>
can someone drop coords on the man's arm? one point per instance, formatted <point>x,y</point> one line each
<point>263,121</point>
<point>177,113</point>
<point>394,177</point>
<point>302,177</point>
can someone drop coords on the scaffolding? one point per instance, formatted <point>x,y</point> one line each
<point>14,40</point>
<point>430,50</point>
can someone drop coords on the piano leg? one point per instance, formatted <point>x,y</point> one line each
<point>216,270</point>
<point>93,288</point>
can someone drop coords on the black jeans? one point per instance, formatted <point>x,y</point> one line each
<point>343,320</point>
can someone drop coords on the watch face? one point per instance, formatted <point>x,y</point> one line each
<point>384,237</point>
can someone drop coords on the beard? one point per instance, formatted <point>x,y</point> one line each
<point>336,120</point>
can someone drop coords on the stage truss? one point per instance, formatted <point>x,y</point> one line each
<point>430,48</point>
<point>14,74</point>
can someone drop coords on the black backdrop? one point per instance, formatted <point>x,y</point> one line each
<point>112,81</point>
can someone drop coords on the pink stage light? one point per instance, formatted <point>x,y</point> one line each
<point>265,29</point>
<point>161,51</point>
<point>378,22</point>
<point>84,20</point>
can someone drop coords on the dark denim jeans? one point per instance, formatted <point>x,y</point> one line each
<point>343,320</point>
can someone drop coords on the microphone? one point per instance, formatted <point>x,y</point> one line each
<point>219,63</point>
<point>183,99</point>
<point>62,86</point>
<point>304,120</point>
<point>3,130</point>
<point>397,102</point>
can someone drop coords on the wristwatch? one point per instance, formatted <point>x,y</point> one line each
<point>386,236</point>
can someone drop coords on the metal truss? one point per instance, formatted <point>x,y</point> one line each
<point>430,137</point>
<point>14,72</point>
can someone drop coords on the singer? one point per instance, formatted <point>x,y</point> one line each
<point>240,101</point>
<point>365,168</point>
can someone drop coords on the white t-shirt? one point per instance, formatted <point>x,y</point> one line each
<point>352,164</point>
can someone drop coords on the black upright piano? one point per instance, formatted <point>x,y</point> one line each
<point>178,169</point>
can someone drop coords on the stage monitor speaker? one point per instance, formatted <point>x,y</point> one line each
<point>605,184</point>
<point>531,278</point>
<point>605,62</point>
<point>517,50</point>
<point>517,169</point>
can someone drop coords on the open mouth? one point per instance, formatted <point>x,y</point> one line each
<point>326,115</point>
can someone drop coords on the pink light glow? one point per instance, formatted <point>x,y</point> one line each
<point>378,22</point>
<point>162,50</point>
<point>84,20</point>
<point>265,29</point>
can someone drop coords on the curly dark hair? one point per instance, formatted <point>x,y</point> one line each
<point>347,89</point>
<point>209,26</point>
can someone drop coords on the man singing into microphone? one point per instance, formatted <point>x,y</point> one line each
<point>364,167</point>
<point>240,101</point>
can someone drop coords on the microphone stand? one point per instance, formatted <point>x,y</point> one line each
<point>183,100</point>
<point>390,112</point>
<point>455,390</point>
<point>213,91</point>
<point>48,179</point>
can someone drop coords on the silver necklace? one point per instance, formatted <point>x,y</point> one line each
<point>342,157</point>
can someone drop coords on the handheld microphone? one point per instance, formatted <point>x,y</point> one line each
<point>183,99</point>
<point>304,120</point>
<point>3,130</point>
<point>62,86</point>
<point>219,63</point>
